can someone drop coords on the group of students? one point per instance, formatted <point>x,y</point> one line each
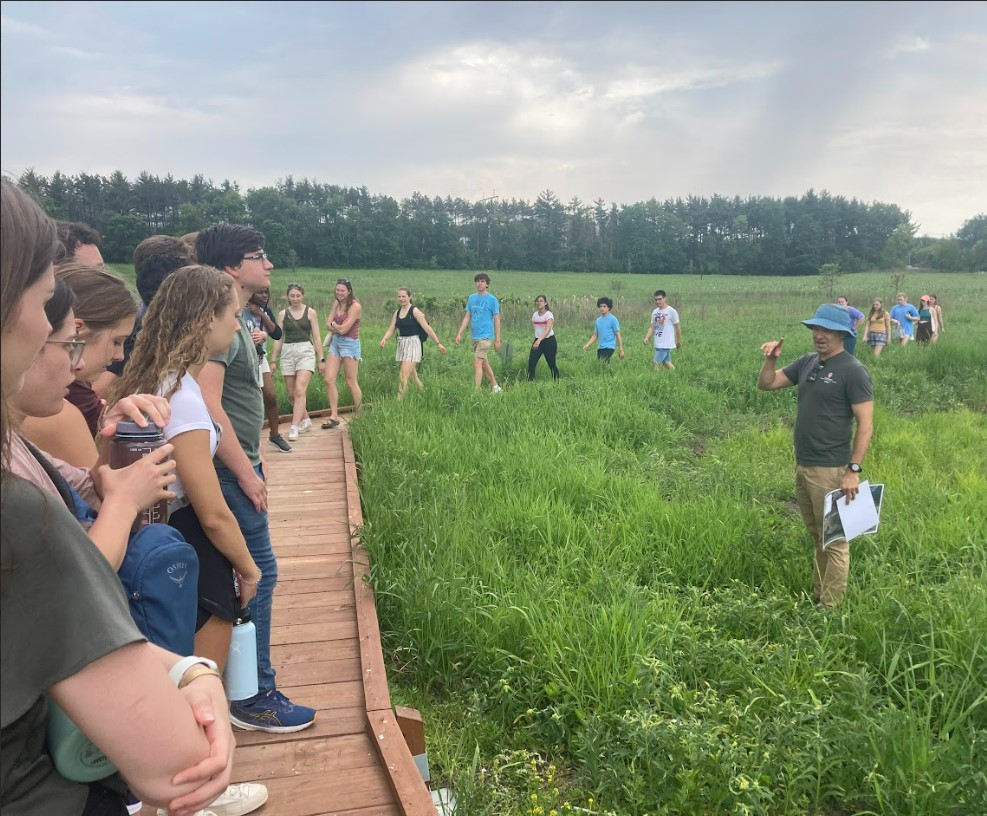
<point>184,359</point>
<point>902,324</point>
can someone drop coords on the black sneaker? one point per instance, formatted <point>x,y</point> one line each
<point>278,442</point>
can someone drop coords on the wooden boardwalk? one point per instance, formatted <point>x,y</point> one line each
<point>325,646</point>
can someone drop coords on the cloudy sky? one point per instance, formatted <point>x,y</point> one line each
<point>619,101</point>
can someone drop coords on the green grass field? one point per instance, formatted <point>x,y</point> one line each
<point>597,590</point>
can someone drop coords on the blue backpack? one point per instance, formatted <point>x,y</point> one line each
<point>159,573</point>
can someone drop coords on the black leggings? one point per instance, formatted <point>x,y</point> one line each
<point>549,347</point>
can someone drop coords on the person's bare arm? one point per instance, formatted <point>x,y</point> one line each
<point>462,328</point>
<point>320,354</point>
<point>770,379</point>
<point>678,335</point>
<point>354,314</point>
<point>863,413</point>
<point>129,707</point>
<point>590,342</point>
<point>496,321</point>
<point>65,436</point>
<point>211,380</point>
<point>201,485</point>
<point>276,351</point>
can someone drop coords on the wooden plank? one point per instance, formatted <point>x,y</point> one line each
<point>403,774</point>
<point>327,724</point>
<point>292,653</point>
<point>259,763</point>
<point>311,794</point>
<point>313,632</point>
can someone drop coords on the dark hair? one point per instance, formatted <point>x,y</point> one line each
<point>878,313</point>
<point>660,292</point>
<point>26,252</point>
<point>297,286</point>
<point>264,291</point>
<point>604,301</point>
<point>543,297</point>
<point>73,234</point>
<point>155,258</point>
<point>225,245</point>
<point>406,289</point>
<point>481,276</point>
<point>58,308</point>
<point>101,298</point>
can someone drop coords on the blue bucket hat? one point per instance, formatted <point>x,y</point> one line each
<point>834,317</point>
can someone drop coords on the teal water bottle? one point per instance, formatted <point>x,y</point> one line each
<point>75,757</point>
<point>240,676</point>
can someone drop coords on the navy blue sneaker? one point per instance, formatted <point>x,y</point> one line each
<point>271,712</point>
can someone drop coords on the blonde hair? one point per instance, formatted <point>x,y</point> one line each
<point>174,329</point>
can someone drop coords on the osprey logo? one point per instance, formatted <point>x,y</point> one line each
<point>178,573</point>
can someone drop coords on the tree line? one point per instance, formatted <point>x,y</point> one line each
<point>325,225</point>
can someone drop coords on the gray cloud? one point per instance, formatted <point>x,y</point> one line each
<point>624,101</point>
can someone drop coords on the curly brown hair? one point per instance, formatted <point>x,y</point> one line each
<point>174,329</point>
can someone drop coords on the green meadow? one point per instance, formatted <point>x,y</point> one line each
<point>598,591</point>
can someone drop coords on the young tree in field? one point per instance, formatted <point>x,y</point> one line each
<point>829,275</point>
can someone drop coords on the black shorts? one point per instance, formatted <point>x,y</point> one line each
<point>604,354</point>
<point>217,590</point>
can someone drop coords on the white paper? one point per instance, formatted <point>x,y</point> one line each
<point>844,522</point>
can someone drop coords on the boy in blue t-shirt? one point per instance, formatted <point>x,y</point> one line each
<point>904,316</point>
<point>607,331</point>
<point>483,318</point>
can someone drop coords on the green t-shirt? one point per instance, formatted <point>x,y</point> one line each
<point>824,420</point>
<point>243,399</point>
<point>62,607</point>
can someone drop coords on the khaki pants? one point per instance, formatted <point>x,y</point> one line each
<point>832,565</point>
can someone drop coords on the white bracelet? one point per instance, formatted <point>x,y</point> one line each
<point>177,672</point>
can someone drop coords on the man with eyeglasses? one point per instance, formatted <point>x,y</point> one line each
<point>666,329</point>
<point>834,390</point>
<point>231,386</point>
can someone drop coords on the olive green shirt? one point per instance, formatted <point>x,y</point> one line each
<point>62,607</point>
<point>243,399</point>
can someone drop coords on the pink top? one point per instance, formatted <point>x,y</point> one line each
<point>342,317</point>
<point>23,464</point>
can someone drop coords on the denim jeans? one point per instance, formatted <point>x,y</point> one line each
<point>255,530</point>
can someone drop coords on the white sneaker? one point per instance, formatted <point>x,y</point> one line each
<point>496,389</point>
<point>293,433</point>
<point>306,424</point>
<point>238,800</point>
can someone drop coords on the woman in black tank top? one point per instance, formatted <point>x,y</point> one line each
<point>412,329</point>
<point>300,347</point>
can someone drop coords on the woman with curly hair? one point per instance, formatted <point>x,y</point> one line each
<point>191,318</point>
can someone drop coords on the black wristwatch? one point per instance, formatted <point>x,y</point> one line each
<point>854,467</point>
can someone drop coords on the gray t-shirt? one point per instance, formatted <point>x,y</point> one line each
<point>62,607</point>
<point>824,421</point>
<point>243,399</point>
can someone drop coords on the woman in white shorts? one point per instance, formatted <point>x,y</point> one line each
<point>412,327</point>
<point>343,323</point>
<point>298,349</point>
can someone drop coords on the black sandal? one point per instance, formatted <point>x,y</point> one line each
<point>329,424</point>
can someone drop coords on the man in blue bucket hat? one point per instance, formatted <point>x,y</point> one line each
<point>834,389</point>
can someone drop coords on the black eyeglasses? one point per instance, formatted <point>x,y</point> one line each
<point>75,349</point>
<point>815,372</point>
<point>257,256</point>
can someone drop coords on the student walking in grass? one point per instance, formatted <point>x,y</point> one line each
<point>850,345</point>
<point>483,318</point>
<point>878,331</point>
<point>666,329</point>
<point>410,323</point>
<point>543,322</point>
<point>834,391</point>
<point>607,331</point>
<point>904,316</point>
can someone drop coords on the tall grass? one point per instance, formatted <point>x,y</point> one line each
<point>598,589</point>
